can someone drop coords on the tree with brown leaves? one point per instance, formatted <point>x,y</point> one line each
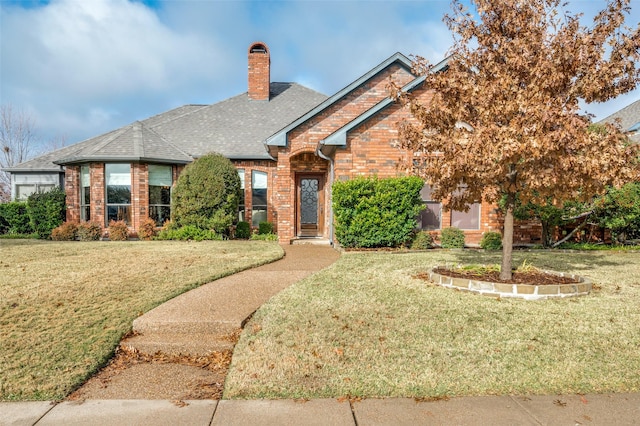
<point>504,121</point>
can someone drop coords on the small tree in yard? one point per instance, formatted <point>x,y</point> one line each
<point>504,118</point>
<point>207,194</point>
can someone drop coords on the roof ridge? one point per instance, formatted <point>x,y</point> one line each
<point>165,140</point>
<point>170,119</point>
<point>114,135</point>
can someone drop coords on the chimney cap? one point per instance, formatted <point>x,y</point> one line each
<point>258,47</point>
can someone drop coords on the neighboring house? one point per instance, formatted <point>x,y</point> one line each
<point>629,120</point>
<point>289,144</point>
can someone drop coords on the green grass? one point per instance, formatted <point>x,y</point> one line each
<point>64,306</point>
<point>365,327</point>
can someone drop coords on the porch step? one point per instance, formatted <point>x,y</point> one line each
<point>179,344</point>
<point>311,240</point>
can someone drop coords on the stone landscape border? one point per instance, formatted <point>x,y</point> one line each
<point>520,291</point>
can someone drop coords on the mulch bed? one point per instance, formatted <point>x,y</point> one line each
<point>530,277</point>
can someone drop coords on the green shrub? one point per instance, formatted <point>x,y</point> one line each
<point>47,210</point>
<point>65,232</point>
<point>189,232</point>
<point>265,228</point>
<point>207,194</point>
<point>491,241</point>
<point>371,212</point>
<point>264,237</point>
<point>619,211</point>
<point>14,218</point>
<point>422,241</point>
<point>243,230</point>
<point>452,237</point>
<point>118,231</point>
<point>147,229</point>
<point>89,231</point>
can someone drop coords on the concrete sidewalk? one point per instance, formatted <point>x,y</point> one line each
<point>608,409</point>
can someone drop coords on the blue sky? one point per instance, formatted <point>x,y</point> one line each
<point>84,67</point>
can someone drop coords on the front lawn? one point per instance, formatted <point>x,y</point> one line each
<point>64,306</point>
<point>365,327</point>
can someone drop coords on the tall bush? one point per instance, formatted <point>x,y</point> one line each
<point>372,212</point>
<point>14,218</point>
<point>619,211</point>
<point>452,237</point>
<point>47,210</point>
<point>207,194</point>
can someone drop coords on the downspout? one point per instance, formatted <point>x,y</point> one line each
<point>331,177</point>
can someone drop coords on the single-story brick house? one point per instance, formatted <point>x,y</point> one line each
<point>288,142</point>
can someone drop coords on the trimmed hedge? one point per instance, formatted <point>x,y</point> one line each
<point>14,218</point>
<point>118,230</point>
<point>452,237</point>
<point>46,210</point>
<point>65,232</point>
<point>89,231</point>
<point>423,241</point>
<point>372,212</point>
<point>188,233</point>
<point>491,241</point>
<point>243,230</point>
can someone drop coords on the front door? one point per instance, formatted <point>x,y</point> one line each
<point>310,205</point>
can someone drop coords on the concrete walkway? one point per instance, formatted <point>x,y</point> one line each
<point>616,409</point>
<point>221,307</point>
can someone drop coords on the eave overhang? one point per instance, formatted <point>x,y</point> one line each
<point>119,159</point>
<point>338,138</point>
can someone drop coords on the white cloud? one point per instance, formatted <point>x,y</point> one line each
<point>85,67</point>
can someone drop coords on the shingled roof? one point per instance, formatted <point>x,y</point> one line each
<point>235,128</point>
<point>629,118</point>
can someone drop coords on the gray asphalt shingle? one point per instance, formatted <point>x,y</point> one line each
<point>235,128</point>
<point>629,117</point>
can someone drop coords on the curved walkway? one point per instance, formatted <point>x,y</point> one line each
<point>201,320</point>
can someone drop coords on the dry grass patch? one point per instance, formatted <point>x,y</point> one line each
<point>365,327</point>
<point>66,305</point>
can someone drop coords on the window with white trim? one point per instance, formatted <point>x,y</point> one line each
<point>431,217</point>
<point>469,220</point>
<point>258,197</point>
<point>160,181</point>
<point>241,203</point>
<point>118,191</point>
<point>85,194</point>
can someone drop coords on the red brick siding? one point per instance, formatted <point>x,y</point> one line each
<point>269,167</point>
<point>259,73</point>
<point>72,191</point>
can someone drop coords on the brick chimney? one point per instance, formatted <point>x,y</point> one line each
<point>259,71</point>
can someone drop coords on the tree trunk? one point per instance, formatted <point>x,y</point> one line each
<point>546,233</point>
<point>507,242</point>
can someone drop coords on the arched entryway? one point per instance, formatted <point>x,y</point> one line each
<point>311,195</point>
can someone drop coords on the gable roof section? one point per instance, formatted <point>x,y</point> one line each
<point>280,137</point>
<point>339,137</point>
<point>629,117</point>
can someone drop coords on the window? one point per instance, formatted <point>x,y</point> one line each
<point>258,197</point>
<point>24,190</point>
<point>241,205</point>
<point>160,181</point>
<point>430,217</point>
<point>467,220</point>
<point>85,194</point>
<point>118,182</point>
